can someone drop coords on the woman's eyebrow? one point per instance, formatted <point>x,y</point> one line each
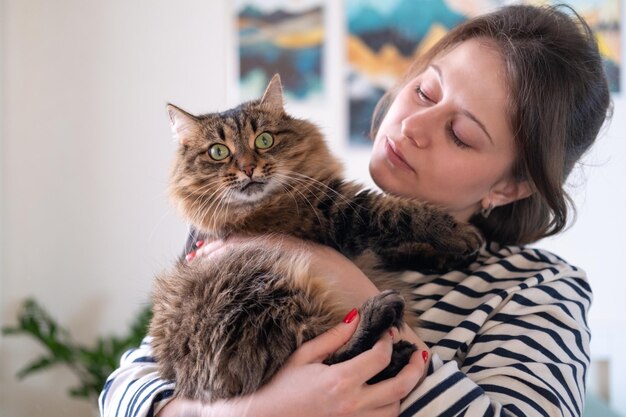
<point>463,111</point>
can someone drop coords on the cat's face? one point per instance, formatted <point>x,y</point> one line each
<point>243,155</point>
<point>236,155</point>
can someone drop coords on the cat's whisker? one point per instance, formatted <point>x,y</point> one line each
<point>291,182</point>
<point>212,209</point>
<point>212,200</point>
<point>218,207</point>
<point>317,182</point>
<point>312,208</point>
<point>321,186</point>
<point>198,208</point>
<point>308,182</point>
<point>227,199</point>
<point>199,192</point>
<point>207,201</point>
<point>306,200</point>
<point>223,202</point>
<point>291,191</point>
<point>204,202</point>
<point>302,194</point>
<point>207,182</point>
<point>285,188</point>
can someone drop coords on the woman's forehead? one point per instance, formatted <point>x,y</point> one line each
<point>473,72</point>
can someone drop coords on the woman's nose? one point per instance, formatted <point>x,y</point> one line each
<point>417,128</point>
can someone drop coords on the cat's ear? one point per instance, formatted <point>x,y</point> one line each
<point>184,125</point>
<point>273,96</point>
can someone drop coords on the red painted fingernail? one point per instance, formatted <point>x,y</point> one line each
<point>191,255</point>
<point>425,356</point>
<point>199,243</point>
<point>350,316</point>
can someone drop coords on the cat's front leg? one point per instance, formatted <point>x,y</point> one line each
<point>405,233</point>
<point>410,234</point>
<point>440,243</point>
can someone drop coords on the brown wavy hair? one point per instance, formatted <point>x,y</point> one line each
<point>558,101</point>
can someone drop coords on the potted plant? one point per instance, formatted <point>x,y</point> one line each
<point>91,364</point>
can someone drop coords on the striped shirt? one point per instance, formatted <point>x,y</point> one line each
<point>508,335</point>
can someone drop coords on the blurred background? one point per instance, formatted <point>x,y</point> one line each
<point>85,149</point>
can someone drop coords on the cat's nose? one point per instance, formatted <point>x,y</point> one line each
<point>248,169</point>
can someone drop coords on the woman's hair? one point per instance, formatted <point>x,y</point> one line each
<point>558,101</point>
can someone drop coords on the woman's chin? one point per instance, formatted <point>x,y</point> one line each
<point>384,179</point>
<point>377,175</point>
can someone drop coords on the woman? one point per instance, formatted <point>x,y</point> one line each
<point>488,125</point>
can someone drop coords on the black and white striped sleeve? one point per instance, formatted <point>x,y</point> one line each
<point>135,388</point>
<point>524,350</point>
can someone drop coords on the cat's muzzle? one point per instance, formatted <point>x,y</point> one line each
<point>252,187</point>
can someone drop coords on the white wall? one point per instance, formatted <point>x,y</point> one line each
<point>85,148</point>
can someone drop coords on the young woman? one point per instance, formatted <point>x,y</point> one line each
<point>488,125</point>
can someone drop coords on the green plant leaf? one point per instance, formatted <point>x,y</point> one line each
<point>37,365</point>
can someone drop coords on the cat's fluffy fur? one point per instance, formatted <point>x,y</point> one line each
<point>223,325</point>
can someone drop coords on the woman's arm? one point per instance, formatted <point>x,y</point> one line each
<point>529,358</point>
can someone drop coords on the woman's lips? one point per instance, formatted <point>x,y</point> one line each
<point>395,156</point>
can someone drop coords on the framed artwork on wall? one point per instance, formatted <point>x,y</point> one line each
<point>285,37</point>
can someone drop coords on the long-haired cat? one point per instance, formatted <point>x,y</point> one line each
<point>223,325</point>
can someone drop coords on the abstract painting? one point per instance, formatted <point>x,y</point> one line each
<point>284,37</point>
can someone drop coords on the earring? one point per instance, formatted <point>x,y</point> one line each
<point>487,211</point>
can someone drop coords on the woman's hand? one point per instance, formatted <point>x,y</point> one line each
<point>307,387</point>
<point>316,389</point>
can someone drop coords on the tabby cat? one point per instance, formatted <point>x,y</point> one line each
<point>224,324</point>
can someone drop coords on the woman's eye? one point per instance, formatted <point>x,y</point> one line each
<point>264,141</point>
<point>456,140</point>
<point>421,93</point>
<point>219,151</point>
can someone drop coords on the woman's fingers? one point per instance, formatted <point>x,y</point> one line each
<point>390,391</point>
<point>396,388</point>
<point>369,363</point>
<point>320,347</point>
<point>210,247</point>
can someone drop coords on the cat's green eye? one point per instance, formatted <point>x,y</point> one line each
<point>264,140</point>
<point>219,151</point>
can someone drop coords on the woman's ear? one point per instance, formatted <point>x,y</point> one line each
<point>507,191</point>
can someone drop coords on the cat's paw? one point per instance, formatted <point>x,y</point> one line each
<point>377,316</point>
<point>382,312</point>
<point>470,239</point>
<point>461,240</point>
